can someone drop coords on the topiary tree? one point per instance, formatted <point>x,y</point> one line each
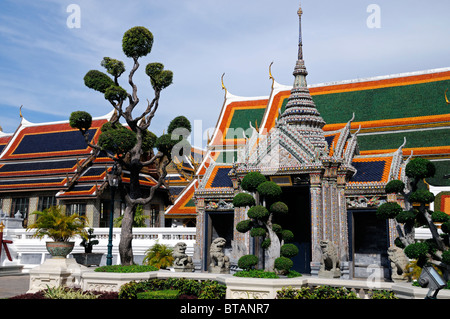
<point>131,147</point>
<point>434,251</point>
<point>261,213</point>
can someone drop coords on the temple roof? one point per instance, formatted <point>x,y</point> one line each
<point>386,110</point>
<point>184,204</point>
<point>54,156</point>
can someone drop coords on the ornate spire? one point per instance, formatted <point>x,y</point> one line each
<point>300,109</point>
<point>300,41</point>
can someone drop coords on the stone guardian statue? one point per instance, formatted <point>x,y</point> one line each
<point>182,262</point>
<point>220,264</point>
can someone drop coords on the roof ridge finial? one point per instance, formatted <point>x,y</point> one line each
<point>300,40</point>
<point>223,85</point>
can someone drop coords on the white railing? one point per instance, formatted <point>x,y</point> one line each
<point>30,252</point>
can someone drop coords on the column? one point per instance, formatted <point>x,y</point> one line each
<point>199,234</point>
<point>316,220</point>
<point>343,226</point>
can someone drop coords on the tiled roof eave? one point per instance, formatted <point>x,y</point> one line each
<point>220,192</point>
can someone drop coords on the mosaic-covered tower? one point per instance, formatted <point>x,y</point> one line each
<point>301,112</point>
<point>325,179</point>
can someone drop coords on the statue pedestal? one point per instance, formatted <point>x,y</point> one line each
<point>56,272</point>
<point>219,270</point>
<point>183,269</point>
<point>329,273</point>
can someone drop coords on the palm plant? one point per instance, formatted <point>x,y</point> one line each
<point>138,220</point>
<point>54,223</point>
<point>159,255</point>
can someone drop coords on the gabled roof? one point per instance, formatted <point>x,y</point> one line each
<point>235,117</point>
<point>54,139</point>
<point>391,106</point>
<point>386,109</point>
<point>4,139</point>
<point>44,156</point>
<point>184,204</point>
<point>54,156</point>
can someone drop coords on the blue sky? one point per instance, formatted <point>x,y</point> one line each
<point>43,61</point>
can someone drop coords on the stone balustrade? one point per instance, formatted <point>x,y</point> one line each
<point>31,252</point>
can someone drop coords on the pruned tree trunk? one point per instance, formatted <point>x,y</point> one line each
<point>126,237</point>
<point>273,251</point>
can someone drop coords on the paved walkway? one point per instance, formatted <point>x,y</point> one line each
<point>13,285</point>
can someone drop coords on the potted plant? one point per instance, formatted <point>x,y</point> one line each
<point>88,258</point>
<point>54,223</point>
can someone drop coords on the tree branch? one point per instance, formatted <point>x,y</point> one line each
<point>99,149</point>
<point>148,199</point>
<point>150,111</point>
<point>153,159</point>
<point>134,100</point>
<point>433,228</point>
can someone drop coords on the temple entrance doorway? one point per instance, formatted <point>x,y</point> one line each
<point>218,224</point>
<point>298,220</point>
<point>368,244</point>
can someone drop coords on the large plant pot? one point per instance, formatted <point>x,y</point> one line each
<point>88,259</point>
<point>59,249</point>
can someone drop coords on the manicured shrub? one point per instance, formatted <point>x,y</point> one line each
<point>422,196</point>
<point>258,232</point>
<point>179,122</point>
<point>97,80</point>
<point>417,250</point>
<point>117,141</point>
<point>258,212</point>
<point>287,235</point>
<point>159,294</point>
<point>256,273</point>
<point>207,289</point>
<point>319,292</point>
<point>277,228</point>
<point>388,210</point>
<point>269,190</point>
<point>247,262</point>
<point>440,217</point>
<point>81,120</point>
<point>244,226</point>
<point>126,269</point>
<point>266,243</point>
<point>283,264</point>
<point>137,42</point>
<point>289,250</point>
<point>420,168</point>
<point>445,227</point>
<point>394,186</point>
<point>406,217</point>
<point>383,294</point>
<point>115,93</point>
<point>243,200</point>
<point>446,257</point>
<point>159,78</point>
<point>252,180</point>
<point>165,143</point>
<point>279,208</point>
